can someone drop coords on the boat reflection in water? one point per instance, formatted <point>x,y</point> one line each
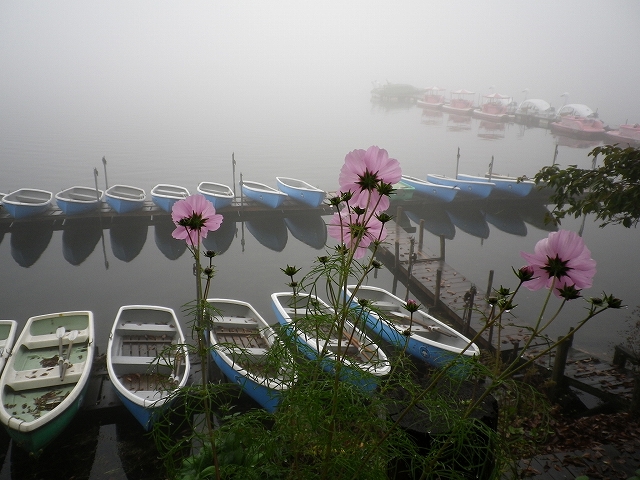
<point>537,215</point>
<point>572,142</point>
<point>128,236</point>
<point>172,248</point>
<point>220,240</point>
<point>469,220</point>
<point>506,219</point>
<point>70,456</point>
<point>29,240</point>
<point>436,220</point>
<point>270,231</point>
<point>79,238</point>
<point>310,229</point>
<point>489,130</point>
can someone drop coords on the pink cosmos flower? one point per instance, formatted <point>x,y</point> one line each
<point>351,230</point>
<point>563,256</point>
<point>194,217</point>
<point>363,171</point>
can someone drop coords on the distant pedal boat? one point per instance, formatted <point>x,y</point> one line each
<point>475,189</point>
<point>301,191</point>
<point>165,195</point>
<point>125,199</point>
<point>76,200</point>
<point>46,376</point>
<point>519,188</point>
<point>241,340</point>
<point>219,194</point>
<point>27,202</point>
<point>308,319</point>
<point>146,386</point>
<point>431,340</point>
<point>262,193</point>
<point>445,193</point>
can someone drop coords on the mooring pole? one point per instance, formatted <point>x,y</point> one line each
<point>436,290</point>
<point>233,168</point>
<point>421,235</point>
<point>104,164</point>
<point>241,196</point>
<point>457,162</point>
<point>410,267</point>
<point>557,374</point>
<point>489,285</point>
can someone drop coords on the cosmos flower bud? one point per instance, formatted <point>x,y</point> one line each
<point>525,273</point>
<point>412,306</point>
<point>569,292</point>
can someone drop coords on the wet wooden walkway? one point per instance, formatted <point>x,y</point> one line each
<point>583,371</point>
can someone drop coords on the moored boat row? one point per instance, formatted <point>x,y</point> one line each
<point>123,199</point>
<point>45,378</point>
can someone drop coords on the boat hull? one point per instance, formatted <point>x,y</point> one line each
<point>78,200</point>
<point>301,191</point>
<point>263,194</point>
<point>467,188</point>
<point>266,397</point>
<point>241,340</point>
<point>365,377</point>
<point>439,347</point>
<point>42,391</point>
<point>218,194</point>
<point>146,361</point>
<point>165,196</point>
<point>518,188</point>
<point>125,199</point>
<point>25,203</point>
<point>444,193</point>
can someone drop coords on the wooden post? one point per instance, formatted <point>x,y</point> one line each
<point>489,285</point>
<point>233,167</point>
<point>436,290</point>
<point>557,374</point>
<point>241,195</point>
<point>410,267</point>
<point>468,309</point>
<point>421,235</point>
<point>397,246</point>
<point>396,259</point>
<point>442,247</point>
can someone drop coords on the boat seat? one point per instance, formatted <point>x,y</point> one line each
<point>43,377</point>
<point>146,329</point>
<point>132,196</point>
<point>235,322</point>
<point>332,346</point>
<point>132,360</point>
<point>384,306</point>
<point>82,196</point>
<point>255,353</point>
<point>51,340</point>
<point>30,199</point>
<point>161,191</point>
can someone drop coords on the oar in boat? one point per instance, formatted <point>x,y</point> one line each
<point>60,333</point>
<point>72,336</point>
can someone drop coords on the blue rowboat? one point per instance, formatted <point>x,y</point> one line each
<point>147,360</point>
<point>475,189</point>
<point>262,193</point>
<point>218,194</point>
<point>76,200</point>
<point>445,193</point>
<point>125,199</point>
<point>519,188</point>
<point>310,322</point>
<point>27,202</point>
<point>241,341</point>
<point>165,195</point>
<point>301,191</point>
<point>46,377</point>
<point>430,340</point>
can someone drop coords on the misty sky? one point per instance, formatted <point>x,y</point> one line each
<point>57,57</point>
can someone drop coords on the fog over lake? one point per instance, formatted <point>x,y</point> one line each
<point>167,91</point>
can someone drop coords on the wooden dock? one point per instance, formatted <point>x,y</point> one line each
<point>456,299</point>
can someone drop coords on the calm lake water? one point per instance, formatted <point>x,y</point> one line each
<point>126,266</point>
